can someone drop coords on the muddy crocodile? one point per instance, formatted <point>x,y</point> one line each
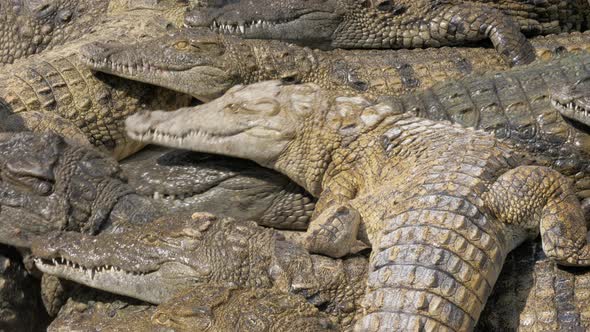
<point>55,91</point>
<point>205,65</point>
<point>49,183</point>
<point>187,181</point>
<point>175,252</point>
<point>440,205</point>
<point>205,308</point>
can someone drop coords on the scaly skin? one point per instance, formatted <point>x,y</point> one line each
<point>49,184</point>
<point>329,21</point>
<point>441,205</point>
<point>205,65</point>
<point>368,24</point>
<point>522,114</point>
<point>534,294</point>
<point>536,126</point>
<point>206,308</point>
<point>31,27</point>
<point>176,252</point>
<point>531,108</point>
<point>186,181</point>
<point>54,91</point>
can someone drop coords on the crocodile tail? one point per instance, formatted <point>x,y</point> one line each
<point>432,269</point>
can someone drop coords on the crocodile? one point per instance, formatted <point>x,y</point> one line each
<point>371,24</point>
<point>54,91</point>
<point>535,294</point>
<point>29,27</point>
<point>397,24</point>
<point>205,65</point>
<point>206,308</point>
<point>32,26</point>
<point>181,251</point>
<point>529,107</point>
<point>185,181</point>
<point>440,205</point>
<point>50,183</point>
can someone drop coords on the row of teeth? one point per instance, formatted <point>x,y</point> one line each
<point>122,68</point>
<point>92,271</point>
<point>172,197</point>
<point>571,106</point>
<point>157,136</point>
<point>241,28</point>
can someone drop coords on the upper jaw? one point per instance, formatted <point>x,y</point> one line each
<point>154,287</point>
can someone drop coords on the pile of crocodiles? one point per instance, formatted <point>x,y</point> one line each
<point>299,165</point>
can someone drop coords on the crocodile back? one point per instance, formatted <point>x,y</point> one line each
<point>437,251</point>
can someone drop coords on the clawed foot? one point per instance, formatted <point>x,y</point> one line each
<point>334,232</point>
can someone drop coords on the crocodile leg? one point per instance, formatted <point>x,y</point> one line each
<point>533,196</point>
<point>334,232</point>
<point>471,23</point>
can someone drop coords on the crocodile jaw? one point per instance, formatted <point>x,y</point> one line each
<point>316,29</point>
<point>154,287</point>
<point>577,110</point>
<point>202,82</point>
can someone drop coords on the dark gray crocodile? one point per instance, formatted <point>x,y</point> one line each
<point>397,24</point>
<point>180,180</point>
<point>440,205</point>
<point>48,183</point>
<point>177,252</point>
<point>389,24</point>
<point>205,65</point>
<point>55,91</point>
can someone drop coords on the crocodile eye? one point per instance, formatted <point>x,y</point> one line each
<point>45,10</point>
<point>149,238</point>
<point>389,6</point>
<point>161,319</point>
<point>64,16</point>
<point>181,45</point>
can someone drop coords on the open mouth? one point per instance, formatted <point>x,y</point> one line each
<point>573,111</point>
<point>63,266</point>
<point>244,28</point>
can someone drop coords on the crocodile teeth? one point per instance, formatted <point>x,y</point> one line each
<point>241,28</point>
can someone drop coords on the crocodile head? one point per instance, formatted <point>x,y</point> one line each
<point>48,184</point>
<point>155,261</point>
<point>313,21</point>
<point>30,26</point>
<point>186,61</point>
<point>291,128</point>
<point>573,101</point>
<point>187,181</point>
